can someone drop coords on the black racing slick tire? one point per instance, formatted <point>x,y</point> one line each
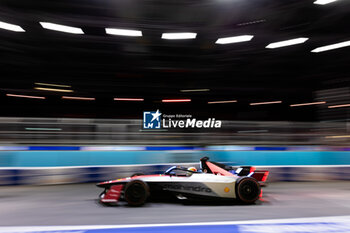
<point>247,190</point>
<point>136,193</point>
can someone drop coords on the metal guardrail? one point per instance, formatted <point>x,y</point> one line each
<point>77,131</point>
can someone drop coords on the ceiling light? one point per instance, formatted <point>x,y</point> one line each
<point>77,98</point>
<point>123,32</point>
<point>340,136</point>
<point>339,106</point>
<point>61,28</point>
<point>195,90</point>
<point>26,96</point>
<point>11,27</point>
<point>222,102</point>
<point>332,46</point>
<point>45,129</point>
<point>324,2</point>
<point>175,100</point>
<point>52,89</point>
<point>271,102</point>
<point>128,99</point>
<point>287,43</point>
<point>234,39</point>
<point>53,85</point>
<point>252,22</point>
<point>253,131</point>
<point>305,104</point>
<point>179,36</point>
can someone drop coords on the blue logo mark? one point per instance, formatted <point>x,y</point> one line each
<point>152,120</point>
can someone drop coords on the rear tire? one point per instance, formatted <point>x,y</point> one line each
<point>247,190</point>
<point>136,193</point>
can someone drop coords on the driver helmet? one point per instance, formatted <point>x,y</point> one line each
<point>192,169</point>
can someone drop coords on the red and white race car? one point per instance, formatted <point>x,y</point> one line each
<point>214,181</point>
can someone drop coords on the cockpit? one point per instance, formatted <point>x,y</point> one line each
<point>180,171</point>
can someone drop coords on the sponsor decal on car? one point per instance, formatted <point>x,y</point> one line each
<point>187,188</point>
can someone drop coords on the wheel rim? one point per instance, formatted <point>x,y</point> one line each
<point>249,190</point>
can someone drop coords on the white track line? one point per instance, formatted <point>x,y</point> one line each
<point>333,219</point>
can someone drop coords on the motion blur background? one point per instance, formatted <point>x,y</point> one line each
<point>72,97</point>
<point>87,86</point>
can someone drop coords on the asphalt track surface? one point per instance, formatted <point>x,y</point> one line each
<point>78,205</point>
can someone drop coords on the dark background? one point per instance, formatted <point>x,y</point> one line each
<point>104,66</point>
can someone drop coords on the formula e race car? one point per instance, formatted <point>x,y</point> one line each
<point>214,181</point>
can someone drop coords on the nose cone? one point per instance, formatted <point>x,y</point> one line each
<point>102,184</point>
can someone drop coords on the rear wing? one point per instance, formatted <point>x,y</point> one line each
<point>226,170</point>
<point>260,175</point>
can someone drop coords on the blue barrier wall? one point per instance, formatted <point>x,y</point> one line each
<point>98,158</point>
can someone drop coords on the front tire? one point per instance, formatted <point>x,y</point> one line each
<point>247,190</point>
<point>136,193</point>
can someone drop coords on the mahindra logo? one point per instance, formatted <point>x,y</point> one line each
<point>187,188</point>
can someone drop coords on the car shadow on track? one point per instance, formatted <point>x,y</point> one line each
<point>182,202</point>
